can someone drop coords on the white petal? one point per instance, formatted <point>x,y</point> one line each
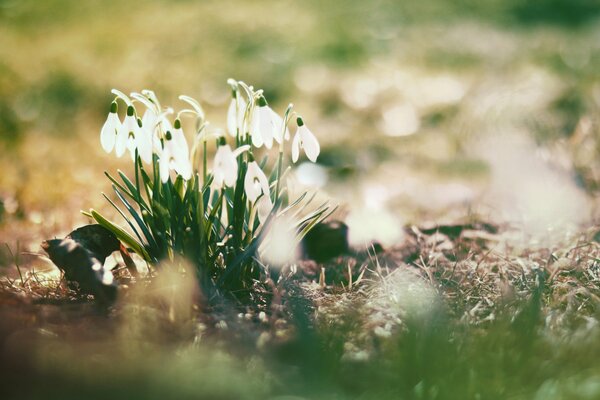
<point>277,126</point>
<point>263,181</point>
<point>180,142</point>
<point>296,146</point>
<point>123,135</point>
<point>255,131</point>
<point>184,168</point>
<point>240,150</point>
<point>149,121</point>
<point>241,111</point>
<point>264,207</point>
<point>230,169</point>
<point>144,145</point>
<point>164,165</point>
<point>252,192</point>
<point>254,175</point>
<point>309,143</point>
<point>225,167</point>
<point>131,146</point>
<point>235,116</point>
<point>232,118</point>
<point>165,125</point>
<point>217,179</point>
<point>108,132</point>
<point>267,126</point>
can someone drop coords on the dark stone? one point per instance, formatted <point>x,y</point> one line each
<point>325,241</point>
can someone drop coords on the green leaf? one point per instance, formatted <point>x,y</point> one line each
<point>121,234</point>
<point>137,218</point>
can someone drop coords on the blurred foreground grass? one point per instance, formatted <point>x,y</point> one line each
<point>429,110</point>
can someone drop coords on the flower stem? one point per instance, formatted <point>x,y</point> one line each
<point>279,165</point>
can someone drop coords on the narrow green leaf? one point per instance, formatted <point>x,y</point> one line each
<point>122,235</point>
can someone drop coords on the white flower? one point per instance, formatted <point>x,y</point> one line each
<point>264,206</point>
<point>144,141</point>
<point>141,140</point>
<point>235,115</point>
<point>108,133</point>
<point>179,139</point>
<point>175,154</point>
<point>278,133</point>
<point>255,182</point>
<point>264,127</point>
<point>163,121</point>
<point>163,125</point>
<point>305,139</point>
<point>149,121</point>
<point>126,132</point>
<point>225,167</point>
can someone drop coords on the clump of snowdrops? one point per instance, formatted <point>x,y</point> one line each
<point>214,213</point>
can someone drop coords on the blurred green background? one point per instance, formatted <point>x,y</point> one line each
<point>398,92</point>
<point>427,110</point>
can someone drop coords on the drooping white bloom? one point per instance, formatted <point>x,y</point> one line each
<point>150,124</point>
<point>235,115</point>
<point>139,139</point>
<point>108,133</point>
<point>263,126</point>
<point>225,167</point>
<point>264,206</point>
<point>163,125</point>
<point>175,154</point>
<point>305,139</point>
<point>255,182</point>
<point>149,121</point>
<point>278,134</point>
<point>144,142</point>
<point>179,138</point>
<point>132,140</point>
<point>126,133</point>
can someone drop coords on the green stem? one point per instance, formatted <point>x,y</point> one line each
<point>279,166</point>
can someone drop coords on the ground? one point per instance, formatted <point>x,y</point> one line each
<point>462,138</point>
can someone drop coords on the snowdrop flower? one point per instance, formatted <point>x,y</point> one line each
<point>306,140</point>
<point>139,139</point>
<point>257,190</point>
<point>255,182</point>
<point>225,167</point>
<point>149,121</point>
<point>126,132</point>
<point>108,133</point>
<point>279,135</point>
<point>264,207</point>
<point>235,115</point>
<point>175,154</point>
<point>144,142</point>
<point>266,125</point>
<point>163,125</point>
